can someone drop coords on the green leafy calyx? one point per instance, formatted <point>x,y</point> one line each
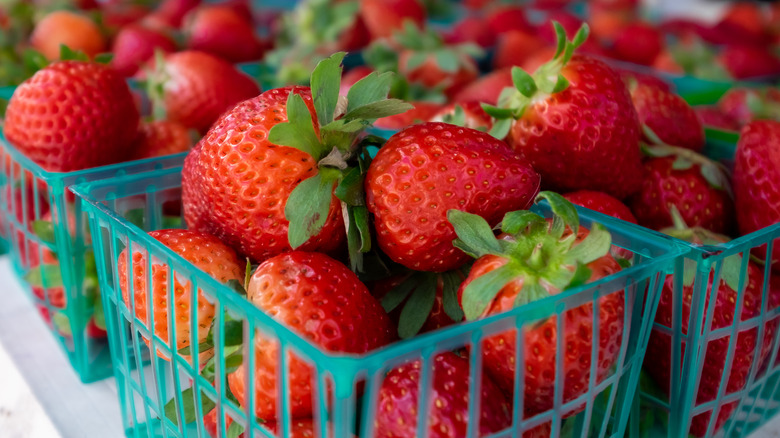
<point>545,255</point>
<point>714,173</point>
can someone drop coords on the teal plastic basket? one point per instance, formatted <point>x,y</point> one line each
<point>51,251</point>
<point>157,399</point>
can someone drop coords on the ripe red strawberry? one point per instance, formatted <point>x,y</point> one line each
<point>744,105</point>
<point>300,428</point>
<point>160,138</point>
<point>639,43</point>
<point>172,12</point>
<point>713,116</point>
<point>516,47</point>
<point>505,19</point>
<point>746,61</point>
<point>668,116</point>
<point>574,121</point>
<point>398,401</point>
<point>601,202</point>
<point>198,88</point>
<point>630,77</point>
<point>72,115</point>
<point>607,21</point>
<point>135,45</point>
<point>666,62</point>
<point>421,112</point>
<point>426,170</point>
<point>323,301</point>
<point>658,357</point>
<point>69,28</point>
<point>745,23</point>
<point>468,114</point>
<point>487,88</point>
<point>262,179</point>
<point>692,183</point>
<point>384,17</point>
<point>207,253</point>
<point>95,332</point>
<point>757,180</point>
<point>523,281</point>
<point>223,32</point>
<point>471,29</point>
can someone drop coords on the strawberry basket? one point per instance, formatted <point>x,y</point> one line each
<point>187,392</point>
<point>50,249</point>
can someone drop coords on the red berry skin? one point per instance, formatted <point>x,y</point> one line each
<point>135,45</point>
<point>471,30</point>
<point>302,428</point>
<point>448,415</point>
<point>384,17</point>
<point>173,11</point>
<point>431,75</point>
<point>658,356</point>
<point>422,112</point>
<point>700,204</point>
<point>516,47</point>
<point>160,138</point>
<point>757,180</point>
<point>95,332</point>
<point>323,301</point>
<point>207,253</point>
<point>235,183</point>
<point>223,32</point>
<point>487,88</point>
<point>746,61</point>
<point>498,352</point>
<point>639,43</point>
<point>508,18</point>
<point>601,202</point>
<point>426,170</point>
<point>200,87</point>
<point>735,103</point>
<point>629,77</point>
<point>715,117</point>
<point>72,115</point>
<point>669,116</point>
<point>586,136</point>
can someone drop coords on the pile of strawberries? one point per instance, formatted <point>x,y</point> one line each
<point>355,241</point>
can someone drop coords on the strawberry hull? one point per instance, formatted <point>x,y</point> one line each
<point>346,388</point>
<point>50,249</point>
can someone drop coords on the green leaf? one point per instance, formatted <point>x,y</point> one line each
<point>581,36</point>
<point>451,283</point>
<point>418,307</point>
<point>447,60</point>
<point>187,399</point>
<point>623,262</point>
<point>560,38</point>
<point>563,208</point>
<point>34,60</point>
<point>307,209</point>
<point>298,132</point>
<point>98,316</point>
<point>379,109</point>
<point>236,286</point>
<point>369,89</point>
<point>501,128</point>
<point>682,163</point>
<point>482,290</point>
<point>498,113</point>
<point>45,276</point>
<point>532,291</point>
<point>475,237</point>
<point>689,272</point>
<point>524,82</point>
<point>350,189</point>
<point>235,430</point>
<point>581,276</point>
<point>363,225</point>
<point>247,275</point>
<point>44,230</point>
<point>325,82</point>
<point>593,247</point>
<point>516,221</point>
<point>651,136</point>
<point>731,271</point>
<point>68,54</point>
<point>561,84</point>
<point>104,58</point>
<point>415,60</point>
<point>398,294</point>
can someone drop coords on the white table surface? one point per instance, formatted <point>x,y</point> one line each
<point>50,401</point>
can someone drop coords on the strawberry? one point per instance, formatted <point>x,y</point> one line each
<point>575,107</point>
<point>160,138</point>
<point>487,88</point>
<point>666,62</point>
<point>607,22</point>
<point>629,77</point>
<point>745,23</point>
<point>505,19</point>
<point>299,428</point>
<point>207,253</point>
<point>712,116</point>
<point>426,60</point>
<point>745,61</point>
<point>515,48</point>
<point>471,30</point>
<point>698,187</point>
<point>384,17</point>
<point>221,31</point>
<point>601,202</point>
<point>135,45</point>
<point>639,43</point>
<point>519,274</point>
<point>70,29</point>
<point>658,357</point>
<point>72,115</point>
<point>321,300</point>
<point>468,114</point>
<point>172,12</point>
<point>263,178</point>
<point>420,112</point>
<point>95,332</point>
<point>757,179</point>
<point>426,170</point>
<point>397,405</point>
<point>670,118</point>
<point>744,105</point>
<point>196,88</point>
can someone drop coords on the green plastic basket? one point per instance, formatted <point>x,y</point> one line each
<point>52,254</point>
<point>147,393</point>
